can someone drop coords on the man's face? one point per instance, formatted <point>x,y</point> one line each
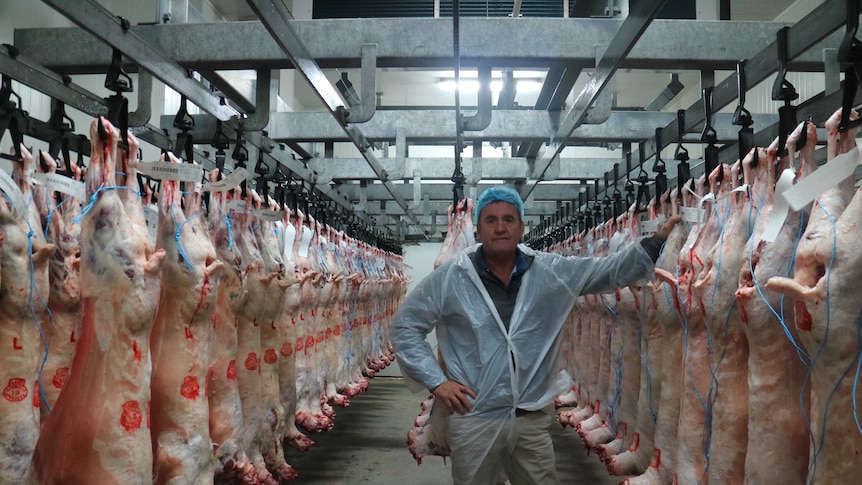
<point>500,228</point>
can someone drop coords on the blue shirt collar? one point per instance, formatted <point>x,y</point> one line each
<point>520,261</point>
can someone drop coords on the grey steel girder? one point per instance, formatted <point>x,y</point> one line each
<point>424,43</point>
<point>475,169</point>
<point>434,126</point>
<point>639,18</point>
<point>544,208</point>
<point>24,70</point>
<point>275,18</point>
<point>802,39</point>
<point>442,193</point>
<point>100,22</point>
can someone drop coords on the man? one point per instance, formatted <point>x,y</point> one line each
<point>499,310</point>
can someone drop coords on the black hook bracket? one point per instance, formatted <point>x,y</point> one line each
<point>116,79</point>
<point>240,157</point>
<point>742,117</point>
<point>10,118</point>
<point>220,142</point>
<point>642,180</point>
<point>185,123</point>
<point>782,90</point>
<point>850,60</point>
<point>709,136</point>
<point>61,124</point>
<point>659,168</point>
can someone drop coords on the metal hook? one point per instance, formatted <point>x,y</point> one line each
<point>850,58</point>
<point>116,79</point>
<point>681,153</point>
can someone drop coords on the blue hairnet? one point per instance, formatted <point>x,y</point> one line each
<point>500,194</point>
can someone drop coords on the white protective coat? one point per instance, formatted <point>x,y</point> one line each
<point>508,370</point>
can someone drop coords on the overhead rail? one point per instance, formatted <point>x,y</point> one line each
<point>640,16</point>
<point>437,126</point>
<point>100,22</point>
<point>61,88</point>
<point>802,36</point>
<point>274,16</point>
<point>790,42</point>
<point>425,43</point>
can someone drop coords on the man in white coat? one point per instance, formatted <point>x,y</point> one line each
<point>499,310</point>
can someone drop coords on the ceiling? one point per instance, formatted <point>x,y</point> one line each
<point>402,87</point>
<point>411,90</point>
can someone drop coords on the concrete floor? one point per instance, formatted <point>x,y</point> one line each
<point>368,445</point>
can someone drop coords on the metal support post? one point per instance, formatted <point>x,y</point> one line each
<point>630,31</point>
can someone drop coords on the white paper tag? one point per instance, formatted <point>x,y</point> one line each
<point>304,242</point>
<point>706,198</point>
<point>289,239</point>
<point>10,188</point>
<point>61,183</point>
<point>269,215</point>
<point>824,178</point>
<point>182,172</point>
<point>198,187</point>
<point>780,207</point>
<point>151,214</point>
<point>236,205</point>
<point>227,183</point>
<point>692,214</point>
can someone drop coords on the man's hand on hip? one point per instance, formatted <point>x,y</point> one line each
<point>454,396</point>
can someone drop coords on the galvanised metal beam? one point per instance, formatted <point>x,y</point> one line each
<point>101,23</point>
<point>275,18</point>
<point>438,126</point>
<point>424,43</point>
<point>804,38</point>
<point>475,169</point>
<point>639,18</point>
<point>25,71</point>
<point>558,84</point>
<point>442,193</point>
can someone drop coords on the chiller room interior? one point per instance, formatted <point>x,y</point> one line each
<point>213,211</point>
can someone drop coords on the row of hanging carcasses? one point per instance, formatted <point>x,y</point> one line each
<point>741,362</point>
<point>180,355</point>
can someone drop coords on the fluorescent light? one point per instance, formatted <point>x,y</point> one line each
<point>472,85</point>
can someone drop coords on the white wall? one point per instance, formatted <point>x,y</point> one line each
<point>420,263</point>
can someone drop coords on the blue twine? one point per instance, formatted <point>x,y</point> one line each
<point>858,368</point>
<point>227,220</point>
<point>643,352</point>
<point>613,405</point>
<point>93,197</point>
<point>51,214</point>
<point>177,234</point>
<point>818,447</point>
<point>35,289</point>
<point>800,352</point>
